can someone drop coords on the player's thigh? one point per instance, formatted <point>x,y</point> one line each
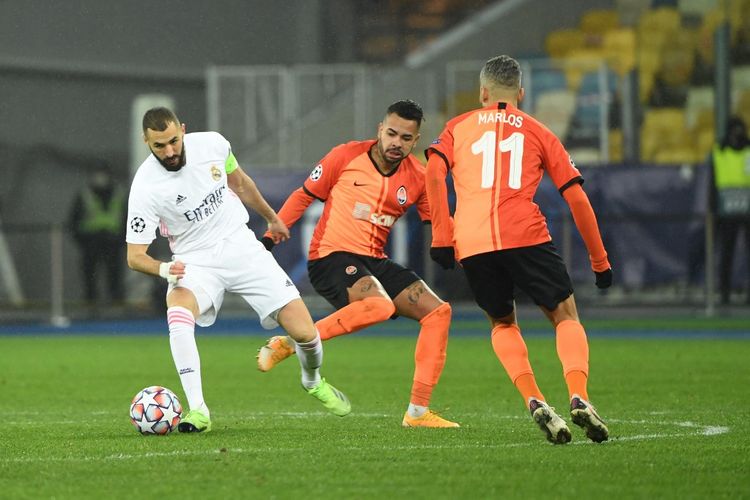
<point>201,290</point>
<point>491,283</point>
<point>540,272</point>
<point>261,282</point>
<point>342,277</point>
<point>417,301</point>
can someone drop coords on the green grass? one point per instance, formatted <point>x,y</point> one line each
<point>676,408</point>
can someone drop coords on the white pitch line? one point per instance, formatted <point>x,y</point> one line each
<point>709,430</point>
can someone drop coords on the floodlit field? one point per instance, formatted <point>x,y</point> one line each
<point>677,408</point>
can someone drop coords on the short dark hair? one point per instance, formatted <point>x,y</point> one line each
<point>159,119</point>
<point>408,110</point>
<point>503,71</point>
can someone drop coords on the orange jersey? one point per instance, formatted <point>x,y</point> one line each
<point>497,156</point>
<point>361,203</point>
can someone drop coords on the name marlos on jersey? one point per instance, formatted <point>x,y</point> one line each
<point>208,206</point>
<point>500,117</point>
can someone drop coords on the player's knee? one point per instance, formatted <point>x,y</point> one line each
<point>441,314</point>
<point>379,308</point>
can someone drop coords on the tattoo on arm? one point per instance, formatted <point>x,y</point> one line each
<point>366,286</point>
<point>415,291</point>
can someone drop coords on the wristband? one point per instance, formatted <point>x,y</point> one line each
<point>164,268</point>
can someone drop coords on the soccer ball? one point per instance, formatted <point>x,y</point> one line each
<point>155,410</point>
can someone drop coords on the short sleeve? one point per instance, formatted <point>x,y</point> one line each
<point>142,219</point>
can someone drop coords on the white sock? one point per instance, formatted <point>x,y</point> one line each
<point>310,355</point>
<point>416,411</point>
<point>185,354</point>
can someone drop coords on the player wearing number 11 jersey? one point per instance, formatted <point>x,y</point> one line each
<point>497,156</point>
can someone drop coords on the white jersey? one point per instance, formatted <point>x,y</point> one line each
<point>193,207</point>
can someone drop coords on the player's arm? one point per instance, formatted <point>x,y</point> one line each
<point>441,249</point>
<point>290,213</point>
<point>244,187</point>
<point>585,220</point>
<point>140,260</point>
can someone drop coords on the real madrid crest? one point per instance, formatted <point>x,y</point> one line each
<point>215,173</point>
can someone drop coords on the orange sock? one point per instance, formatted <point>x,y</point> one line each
<point>357,315</point>
<point>573,351</point>
<point>511,350</point>
<point>429,356</point>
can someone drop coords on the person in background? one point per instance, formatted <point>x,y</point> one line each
<point>366,186</point>
<point>730,162</point>
<point>193,190</point>
<point>97,221</point>
<point>497,155</point>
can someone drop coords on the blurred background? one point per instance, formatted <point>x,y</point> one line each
<point>639,91</point>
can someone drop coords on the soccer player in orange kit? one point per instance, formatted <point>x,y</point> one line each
<point>366,186</point>
<point>497,156</point>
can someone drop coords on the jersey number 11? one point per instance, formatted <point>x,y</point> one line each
<point>485,146</point>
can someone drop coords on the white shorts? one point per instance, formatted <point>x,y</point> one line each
<point>239,264</point>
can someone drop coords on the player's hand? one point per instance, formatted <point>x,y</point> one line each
<point>603,278</point>
<point>267,242</point>
<point>279,231</point>
<point>444,256</point>
<point>172,271</point>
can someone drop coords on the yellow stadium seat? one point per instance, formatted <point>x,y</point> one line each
<point>659,20</point>
<point>704,142</point>
<point>677,65</point>
<point>619,49</point>
<point>648,62</point>
<point>663,128</point>
<point>559,42</point>
<point>579,62</point>
<point>699,99</point>
<point>598,21</point>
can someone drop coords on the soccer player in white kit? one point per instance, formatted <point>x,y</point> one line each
<point>193,190</point>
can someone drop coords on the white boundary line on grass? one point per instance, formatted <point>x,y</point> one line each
<point>695,430</point>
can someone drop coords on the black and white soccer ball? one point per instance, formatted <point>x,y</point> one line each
<point>155,410</point>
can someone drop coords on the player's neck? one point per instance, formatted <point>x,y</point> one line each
<point>383,166</point>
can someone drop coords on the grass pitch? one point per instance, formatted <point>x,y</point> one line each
<point>675,406</point>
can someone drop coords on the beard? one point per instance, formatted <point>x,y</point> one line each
<point>392,156</point>
<point>169,164</point>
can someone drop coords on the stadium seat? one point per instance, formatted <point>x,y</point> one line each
<point>660,20</point>
<point>559,43</point>
<point>742,108</point>
<point>648,60</point>
<point>579,62</point>
<point>741,78</point>
<point>662,129</point>
<point>704,141</point>
<point>615,145</point>
<point>619,49</point>
<point>695,8</point>
<point>629,11</point>
<point>554,108</point>
<point>699,99</point>
<point>597,21</point>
